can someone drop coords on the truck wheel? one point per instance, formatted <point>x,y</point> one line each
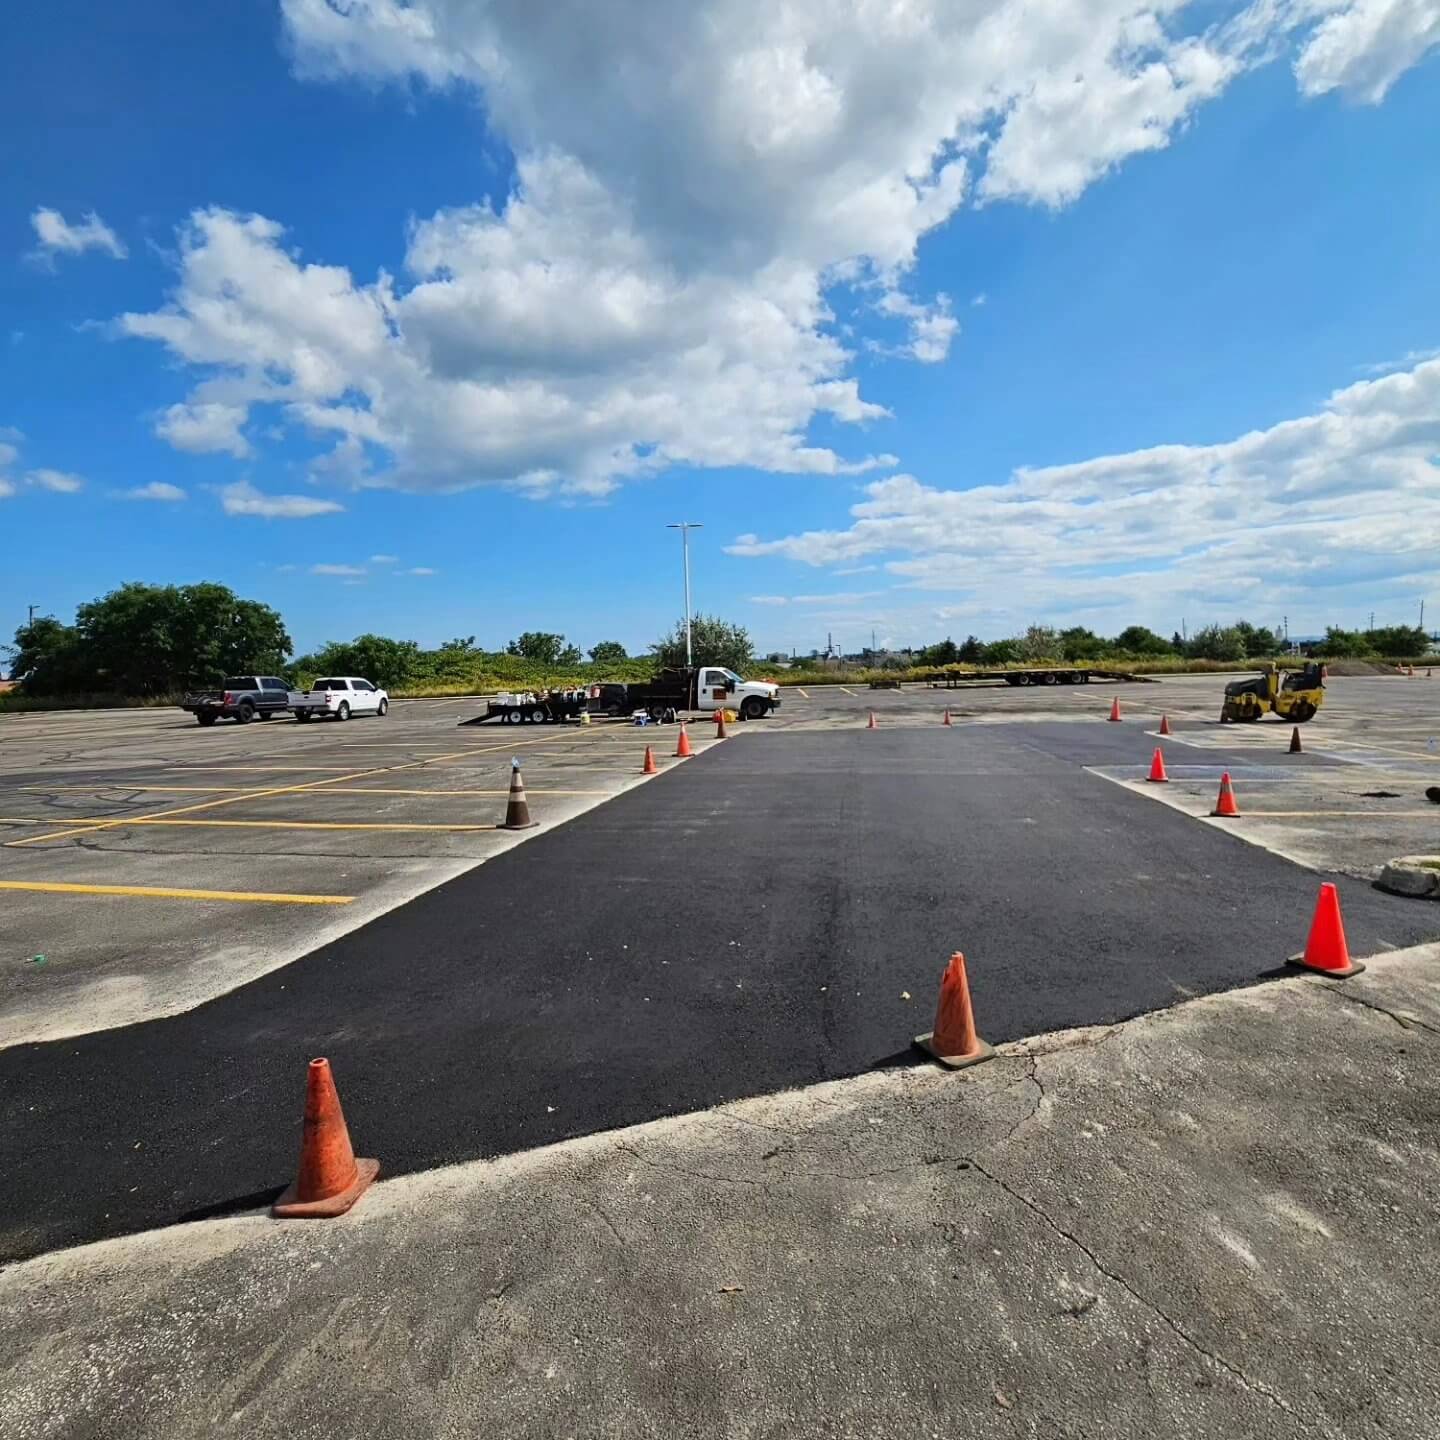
<point>382,707</point>
<point>752,708</point>
<point>206,720</point>
<point>343,713</point>
<point>535,715</point>
<point>512,717</point>
<point>246,713</point>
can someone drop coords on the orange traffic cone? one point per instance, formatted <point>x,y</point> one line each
<point>1115,708</point>
<point>946,720</point>
<point>682,746</point>
<point>1157,769</point>
<point>1225,801</point>
<point>953,1041</point>
<point>720,733</point>
<point>872,725</point>
<point>1326,950</point>
<point>1296,748</point>
<point>649,767</point>
<point>517,808</point>
<point>1165,725</point>
<point>331,1179</point>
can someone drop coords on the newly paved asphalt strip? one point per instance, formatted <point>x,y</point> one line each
<point>754,921</point>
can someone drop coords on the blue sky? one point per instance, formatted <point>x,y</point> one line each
<point>938,326</point>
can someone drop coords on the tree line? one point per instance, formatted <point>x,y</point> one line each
<point>152,641</point>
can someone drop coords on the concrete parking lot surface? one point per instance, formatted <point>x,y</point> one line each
<point>1215,1221</point>
<point>773,913</point>
<point>154,864</point>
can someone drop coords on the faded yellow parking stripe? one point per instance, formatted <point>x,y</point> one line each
<point>157,892</point>
<point>112,822</point>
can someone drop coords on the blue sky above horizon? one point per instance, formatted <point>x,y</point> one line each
<point>427,318</point>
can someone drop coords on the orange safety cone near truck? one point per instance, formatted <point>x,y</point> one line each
<point>330,1179</point>
<point>953,1041</point>
<point>517,807</point>
<point>720,733</point>
<point>682,745</point>
<point>1225,801</point>
<point>649,767</point>
<point>1325,949</point>
<point>1157,775</point>
<point>1115,708</point>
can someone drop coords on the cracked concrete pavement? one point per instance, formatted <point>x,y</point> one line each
<point>1217,1219</point>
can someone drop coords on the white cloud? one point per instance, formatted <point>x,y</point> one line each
<point>979,300</point>
<point>155,490</point>
<point>205,427</point>
<point>1343,503</point>
<point>1365,47</point>
<point>242,498</point>
<point>58,482</point>
<point>337,570</point>
<point>769,599</point>
<point>421,570</point>
<point>58,237</point>
<point>7,489</point>
<point>9,445</point>
<point>384,559</point>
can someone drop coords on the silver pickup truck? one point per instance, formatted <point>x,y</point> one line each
<point>242,698</point>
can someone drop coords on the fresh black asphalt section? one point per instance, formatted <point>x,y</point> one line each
<point>754,921</point>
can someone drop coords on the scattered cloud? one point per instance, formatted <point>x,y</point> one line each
<point>337,570</point>
<point>384,559</point>
<point>769,599</point>
<point>9,445</point>
<point>203,427</point>
<point>977,301</point>
<point>242,498</point>
<point>57,236</point>
<point>421,570</point>
<point>155,490</point>
<point>1406,362</point>
<point>691,185</point>
<point>1344,502</point>
<point>58,482</point>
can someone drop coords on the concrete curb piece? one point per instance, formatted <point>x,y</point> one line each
<point>1415,875</point>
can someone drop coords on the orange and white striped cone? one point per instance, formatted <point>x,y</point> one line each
<point>1225,802</point>
<point>682,745</point>
<point>720,731</point>
<point>517,808</point>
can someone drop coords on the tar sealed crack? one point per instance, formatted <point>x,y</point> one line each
<point>1405,1022</point>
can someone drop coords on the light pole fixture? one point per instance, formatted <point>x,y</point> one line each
<point>685,527</point>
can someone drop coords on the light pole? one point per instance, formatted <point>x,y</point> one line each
<point>685,527</point>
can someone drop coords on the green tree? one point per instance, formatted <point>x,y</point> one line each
<point>539,645</point>
<point>945,653</point>
<point>1259,640</point>
<point>607,652</point>
<point>1039,642</point>
<point>972,652</point>
<point>1216,642</point>
<point>1138,640</point>
<point>1001,652</point>
<point>1078,643</point>
<point>1403,642</point>
<point>46,658</point>
<point>385,662</point>
<point>716,642</point>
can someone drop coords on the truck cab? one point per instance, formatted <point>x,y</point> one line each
<point>717,687</point>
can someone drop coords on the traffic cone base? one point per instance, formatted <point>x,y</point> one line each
<point>1326,950</point>
<point>982,1051</point>
<point>287,1207</point>
<point>330,1179</point>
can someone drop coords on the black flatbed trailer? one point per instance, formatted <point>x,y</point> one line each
<point>535,710</point>
<point>1029,675</point>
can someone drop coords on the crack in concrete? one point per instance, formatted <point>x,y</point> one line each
<point>1231,1369</point>
<point>1405,1022</point>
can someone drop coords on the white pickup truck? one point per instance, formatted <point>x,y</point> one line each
<point>340,697</point>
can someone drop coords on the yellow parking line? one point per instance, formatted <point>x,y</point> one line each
<point>802,691</point>
<point>244,790</point>
<point>110,822</point>
<point>88,827</point>
<point>155,892</point>
<point>848,691</point>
